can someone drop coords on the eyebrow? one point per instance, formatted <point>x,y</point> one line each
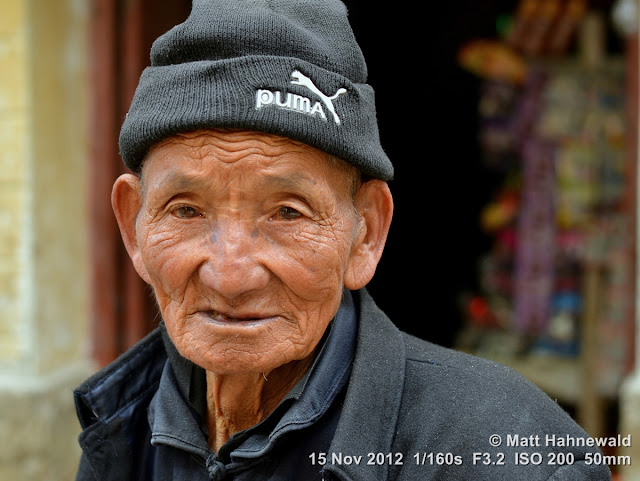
<point>178,181</point>
<point>295,181</point>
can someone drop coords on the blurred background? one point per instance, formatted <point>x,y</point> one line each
<point>513,129</point>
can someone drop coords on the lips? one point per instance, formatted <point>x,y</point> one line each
<point>218,316</point>
<point>221,317</point>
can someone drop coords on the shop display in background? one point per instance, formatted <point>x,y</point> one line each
<point>558,212</point>
<point>535,248</point>
<point>584,117</point>
<point>545,27</point>
<point>554,125</point>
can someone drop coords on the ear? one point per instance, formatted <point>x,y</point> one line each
<point>375,206</point>
<point>126,200</point>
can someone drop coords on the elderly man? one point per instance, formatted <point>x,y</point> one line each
<point>258,211</point>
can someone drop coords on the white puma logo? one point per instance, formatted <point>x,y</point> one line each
<point>301,79</point>
<point>298,103</point>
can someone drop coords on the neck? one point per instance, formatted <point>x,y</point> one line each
<point>238,401</point>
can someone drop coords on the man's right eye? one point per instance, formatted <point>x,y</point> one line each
<point>187,212</point>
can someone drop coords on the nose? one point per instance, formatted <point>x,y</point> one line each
<point>233,266</point>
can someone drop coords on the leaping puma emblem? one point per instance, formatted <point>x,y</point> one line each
<point>301,79</point>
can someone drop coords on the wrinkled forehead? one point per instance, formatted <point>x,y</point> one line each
<point>193,159</point>
<point>224,144</point>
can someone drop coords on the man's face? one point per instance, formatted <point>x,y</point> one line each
<point>245,239</point>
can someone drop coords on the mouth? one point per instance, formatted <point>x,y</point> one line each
<point>223,318</point>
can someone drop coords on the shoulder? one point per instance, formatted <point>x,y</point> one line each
<point>440,409</point>
<point>455,368</point>
<point>433,371</point>
<point>469,385</point>
<point>443,391</point>
<point>112,410</point>
<point>481,411</point>
<point>127,379</point>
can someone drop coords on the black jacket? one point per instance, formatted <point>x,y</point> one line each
<point>412,411</point>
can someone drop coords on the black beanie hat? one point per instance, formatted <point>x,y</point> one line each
<point>286,67</point>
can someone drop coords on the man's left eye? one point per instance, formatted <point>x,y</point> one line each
<point>288,213</point>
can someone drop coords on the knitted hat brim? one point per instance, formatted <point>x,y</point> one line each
<point>256,93</point>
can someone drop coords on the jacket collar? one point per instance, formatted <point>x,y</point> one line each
<point>376,385</point>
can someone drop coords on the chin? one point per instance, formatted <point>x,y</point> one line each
<point>234,348</point>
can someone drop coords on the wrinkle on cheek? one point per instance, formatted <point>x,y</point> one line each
<point>156,231</point>
<point>171,302</point>
<point>160,242</point>
<point>285,343</point>
<point>308,310</point>
<point>325,232</point>
<point>315,249</point>
<point>314,278</point>
<point>169,283</point>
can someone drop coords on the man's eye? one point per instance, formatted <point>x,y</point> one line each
<point>288,213</point>
<point>187,212</point>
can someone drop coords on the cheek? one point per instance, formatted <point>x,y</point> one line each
<point>167,257</point>
<point>311,270</point>
<point>314,262</point>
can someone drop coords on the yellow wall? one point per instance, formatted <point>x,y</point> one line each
<point>15,120</point>
<point>43,158</point>
<point>44,315</point>
<point>58,93</point>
